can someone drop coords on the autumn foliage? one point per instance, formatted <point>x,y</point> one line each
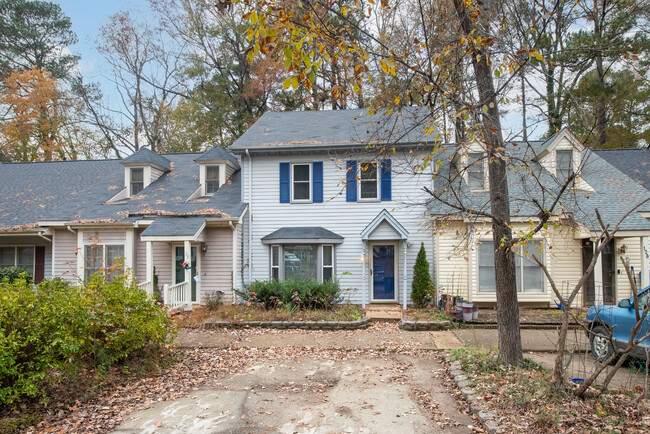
<point>31,129</point>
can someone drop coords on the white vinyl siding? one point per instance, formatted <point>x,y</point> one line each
<point>347,219</point>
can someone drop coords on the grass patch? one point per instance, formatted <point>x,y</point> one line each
<point>249,312</point>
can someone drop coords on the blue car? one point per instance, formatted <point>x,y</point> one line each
<point>618,320</point>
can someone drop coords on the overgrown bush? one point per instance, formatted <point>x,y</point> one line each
<point>56,329</point>
<point>421,289</point>
<point>293,294</point>
<point>10,274</point>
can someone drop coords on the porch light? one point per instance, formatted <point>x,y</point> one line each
<point>204,247</point>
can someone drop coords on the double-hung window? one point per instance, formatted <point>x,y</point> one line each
<point>301,182</point>
<point>564,164</point>
<point>137,180</point>
<point>17,256</point>
<point>211,179</point>
<point>475,171</point>
<point>328,262</point>
<point>106,258</point>
<point>529,275</point>
<point>275,262</point>
<point>368,180</point>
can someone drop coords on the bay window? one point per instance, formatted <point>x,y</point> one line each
<point>302,261</point>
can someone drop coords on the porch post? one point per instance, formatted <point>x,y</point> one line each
<point>149,262</point>
<point>364,275</point>
<point>645,262</point>
<point>187,253</point>
<point>404,242</point>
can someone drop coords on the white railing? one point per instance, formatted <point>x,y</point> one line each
<point>147,287</point>
<point>178,295</point>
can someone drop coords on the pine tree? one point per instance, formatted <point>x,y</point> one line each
<point>421,293</point>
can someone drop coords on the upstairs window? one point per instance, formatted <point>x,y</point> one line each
<point>368,180</point>
<point>137,180</point>
<point>301,180</point>
<point>211,179</point>
<point>564,164</point>
<point>475,171</point>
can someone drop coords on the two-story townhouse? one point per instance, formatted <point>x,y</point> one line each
<point>148,214</point>
<point>335,193</point>
<point>464,246</point>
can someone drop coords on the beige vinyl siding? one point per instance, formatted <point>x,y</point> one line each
<point>216,263</point>
<point>140,257</point>
<point>566,262</point>
<point>65,258</point>
<point>104,237</point>
<point>155,174</point>
<point>633,252</point>
<point>347,219</point>
<point>229,171</point>
<point>452,260</point>
<point>48,262</point>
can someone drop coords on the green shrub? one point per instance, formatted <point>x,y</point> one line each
<point>421,287</point>
<point>57,328</point>
<point>293,294</point>
<point>10,274</point>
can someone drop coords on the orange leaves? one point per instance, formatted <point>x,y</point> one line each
<point>30,130</point>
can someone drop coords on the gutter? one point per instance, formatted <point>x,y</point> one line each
<point>250,217</point>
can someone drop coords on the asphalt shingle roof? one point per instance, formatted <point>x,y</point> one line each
<point>218,153</point>
<point>634,162</point>
<point>174,226</point>
<point>302,233</point>
<point>615,193</point>
<point>80,191</point>
<point>145,155</point>
<point>334,128</point>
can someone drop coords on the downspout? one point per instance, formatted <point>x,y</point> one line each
<point>250,216</point>
<point>40,234</point>
<point>70,229</point>
<point>234,259</point>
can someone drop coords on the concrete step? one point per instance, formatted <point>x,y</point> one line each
<point>384,312</point>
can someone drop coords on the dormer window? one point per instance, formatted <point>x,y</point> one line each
<point>137,180</point>
<point>475,171</point>
<point>564,164</point>
<point>212,180</point>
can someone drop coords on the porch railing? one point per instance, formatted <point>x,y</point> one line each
<point>177,295</point>
<point>147,287</point>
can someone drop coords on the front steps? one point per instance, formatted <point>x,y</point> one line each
<point>384,312</point>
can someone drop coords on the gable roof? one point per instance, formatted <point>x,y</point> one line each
<point>385,216</point>
<point>217,153</point>
<point>634,162</point>
<point>615,194</point>
<point>79,191</point>
<point>147,156</point>
<point>334,129</point>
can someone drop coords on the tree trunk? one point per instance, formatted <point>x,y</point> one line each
<point>554,121</point>
<point>504,261</point>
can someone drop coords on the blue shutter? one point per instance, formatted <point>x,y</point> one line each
<point>317,180</point>
<point>285,197</point>
<point>351,181</point>
<point>385,180</point>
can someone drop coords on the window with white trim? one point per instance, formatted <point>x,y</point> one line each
<point>368,180</point>
<point>106,258</point>
<point>563,164</point>
<point>211,179</point>
<point>17,256</point>
<point>475,171</point>
<point>275,262</point>
<point>529,275</point>
<point>328,262</point>
<point>137,180</point>
<point>302,261</point>
<point>301,182</point>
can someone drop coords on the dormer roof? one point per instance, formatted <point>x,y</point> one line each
<point>145,156</point>
<point>548,146</point>
<point>217,153</point>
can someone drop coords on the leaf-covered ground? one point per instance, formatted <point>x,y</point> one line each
<point>525,401</point>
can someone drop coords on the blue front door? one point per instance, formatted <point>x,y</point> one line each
<point>383,272</point>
